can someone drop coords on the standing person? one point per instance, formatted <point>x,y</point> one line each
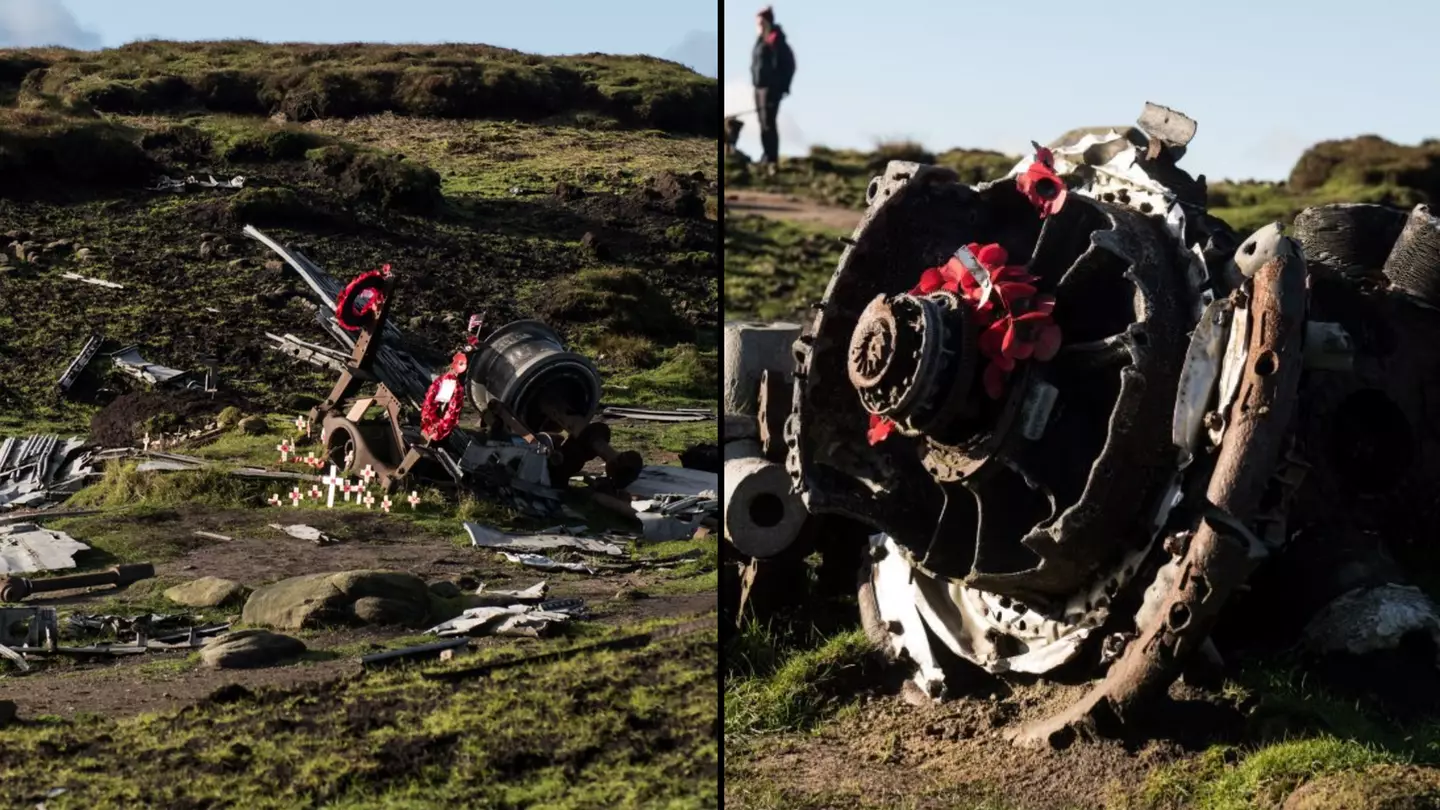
<point>771,69</point>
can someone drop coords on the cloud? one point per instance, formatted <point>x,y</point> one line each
<point>33,23</point>
<point>699,51</point>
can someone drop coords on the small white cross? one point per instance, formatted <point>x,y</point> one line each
<point>414,500</point>
<point>332,481</point>
<point>284,448</point>
<point>302,424</point>
<point>347,488</point>
<point>296,496</point>
<point>275,499</point>
<point>386,504</point>
<point>310,460</point>
<point>318,463</point>
<point>367,473</point>
<point>314,492</point>
<point>349,458</point>
<point>369,500</point>
<point>147,442</point>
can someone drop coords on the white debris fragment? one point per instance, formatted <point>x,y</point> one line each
<point>26,547</point>
<point>534,593</point>
<point>543,563</point>
<point>485,537</point>
<point>35,470</point>
<point>300,531</point>
<point>513,620</point>
<point>657,480</point>
<point>96,281</point>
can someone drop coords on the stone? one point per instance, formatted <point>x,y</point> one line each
<point>59,246</point>
<point>250,649</point>
<point>445,589</point>
<point>83,254</point>
<point>380,611</point>
<point>207,592</point>
<point>207,249</point>
<point>18,236</point>
<point>253,425</point>
<point>314,600</point>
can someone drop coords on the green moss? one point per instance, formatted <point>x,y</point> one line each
<point>307,81</point>
<point>687,376</point>
<point>1226,779</point>
<point>806,688</point>
<point>775,269</point>
<point>628,728</point>
<point>124,485</point>
<point>609,300</point>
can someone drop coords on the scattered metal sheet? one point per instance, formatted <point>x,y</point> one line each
<point>419,651</point>
<point>36,470</point>
<point>79,364</point>
<point>16,657</point>
<point>308,352</point>
<point>515,620</point>
<point>652,415</point>
<point>485,537</point>
<point>129,361</point>
<point>28,627</point>
<point>300,531</point>
<point>543,563</point>
<point>621,643</point>
<point>212,535</point>
<point>656,480</point>
<point>165,183</point>
<point>98,282</point>
<point>533,594</point>
<point>27,548</point>
<point>660,528</point>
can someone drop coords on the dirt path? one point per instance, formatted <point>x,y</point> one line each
<point>791,208</point>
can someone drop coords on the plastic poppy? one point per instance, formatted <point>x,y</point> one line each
<point>1041,185</point>
<point>880,429</point>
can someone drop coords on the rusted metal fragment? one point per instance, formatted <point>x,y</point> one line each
<point>1223,552</point>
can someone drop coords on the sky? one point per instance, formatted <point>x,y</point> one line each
<point>1265,79</point>
<point>682,30</point>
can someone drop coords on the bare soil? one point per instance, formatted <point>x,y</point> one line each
<point>939,756</point>
<point>791,209</point>
<point>258,555</point>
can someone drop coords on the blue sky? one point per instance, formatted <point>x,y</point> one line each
<point>1264,79</point>
<point>684,30</point>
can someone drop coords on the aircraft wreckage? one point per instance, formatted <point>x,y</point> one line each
<point>1073,413</point>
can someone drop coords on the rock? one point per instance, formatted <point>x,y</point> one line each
<point>248,649</point>
<point>229,416</point>
<point>253,425</point>
<point>59,246</point>
<point>301,402</point>
<point>18,236</point>
<point>445,589</point>
<point>1383,787</point>
<point>317,599</point>
<point>381,611</point>
<point>207,592</point>
<point>630,595</point>
<point>83,254</point>
<point>7,712</point>
<point>592,245</point>
<point>238,263</point>
<point>207,249</point>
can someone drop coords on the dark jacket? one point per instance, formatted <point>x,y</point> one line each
<point>772,66</point>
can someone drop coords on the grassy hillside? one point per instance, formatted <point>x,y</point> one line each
<point>574,189</point>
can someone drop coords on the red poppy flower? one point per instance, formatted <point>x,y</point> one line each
<point>994,380</point>
<point>880,429</point>
<point>1041,185</point>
